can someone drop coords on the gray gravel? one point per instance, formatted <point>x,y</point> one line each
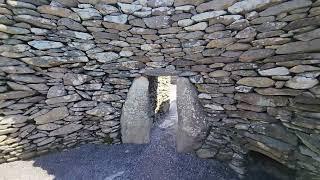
<point>155,161</point>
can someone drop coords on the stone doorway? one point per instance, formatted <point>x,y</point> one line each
<point>149,97</point>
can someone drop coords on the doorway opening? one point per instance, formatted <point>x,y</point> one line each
<point>163,99</point>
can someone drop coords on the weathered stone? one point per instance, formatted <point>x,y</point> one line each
<point>256,82</point>
<point>26,78</point>
<point>17,70</point>
<point>105,57</point>
<point>56,11</point>
<point>88,13</point>
<point>276,131</point>
<point>63,99</point>
<point>192,125</point>
<point>248,32</point>
<point>48,127</point>
<point>36,21</point>
<point>56,91</point>
<point>308,36</point>
<point>75,34</point>
<point>106,97</point>
<point>249,5</point>
<point>259,100</point>
<point>16,94</point>
<point>104,36</point>
<point>215,5</point>
<point>75,79</point>
<point>157,22</point>
<point>68,3</point>
<point>101,110</point>
<point>271,26</point>
<point>220,43</point>
<point>13,30</point>
<point>304,68</point>
<point>300,23</point>
<point>239,24</point>
<point>105,8</point>
<point>185,22</point>
<point>300,82</point>
<point>187,2</point>
<point>312,142</point>
<point>48,61</point>
<point>278,92</point>
<point>71,24</point>
<point>255,55</point>
<point>270,41</point>
<point>8,131</point>
<point>299,46</point>
<point>285,7</point>
<point>129,8</point>
<point>240,66</point>
<point>207,15</point>
<point>67,129</point>
<point>44,45</point>
<point>197,27</point>
<point>159,3</point>
<point>53,115</point>
<point>278,71</point>
<point>136,119</point>
<point>13,119</point>
<point>120,19</point>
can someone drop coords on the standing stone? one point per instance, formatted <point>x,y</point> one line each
<point>136,118</point>
<point>192,123</point>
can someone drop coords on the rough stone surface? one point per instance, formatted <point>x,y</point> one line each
<point>192,125</point>
<point>136,119</point>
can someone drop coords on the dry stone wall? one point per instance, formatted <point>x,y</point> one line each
<point>66,67</point>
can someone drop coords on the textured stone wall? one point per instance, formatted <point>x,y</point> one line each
<point>67,65</point>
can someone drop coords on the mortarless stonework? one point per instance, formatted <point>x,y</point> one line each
<point>66,67</point>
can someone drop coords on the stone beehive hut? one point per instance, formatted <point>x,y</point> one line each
<point>66,67</point>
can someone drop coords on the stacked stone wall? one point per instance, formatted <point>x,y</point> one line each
<point>66,67</point>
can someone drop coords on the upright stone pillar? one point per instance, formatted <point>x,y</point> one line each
<point>192,121</point>
<point>136,118</point>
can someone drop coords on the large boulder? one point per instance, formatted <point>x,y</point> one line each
<point>192,122</point>
<point>136,118</point>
